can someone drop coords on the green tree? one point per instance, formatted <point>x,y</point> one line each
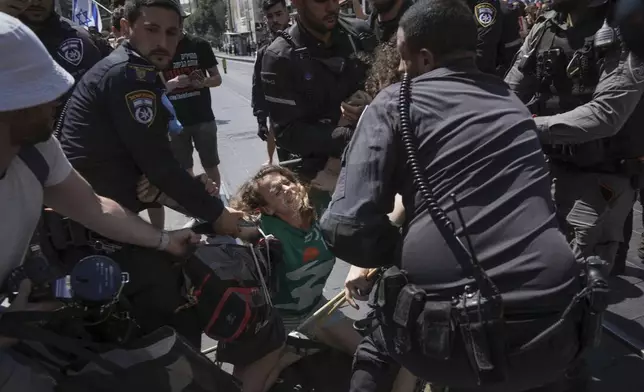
<point>209,19</point>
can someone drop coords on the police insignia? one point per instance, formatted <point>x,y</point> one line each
<point>485,14</point>
<point>637,68</point>
<point>71,50</point>
<point>142,105</point>
<point>141,73</point>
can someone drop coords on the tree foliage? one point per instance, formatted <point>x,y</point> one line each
<point>209,19</point>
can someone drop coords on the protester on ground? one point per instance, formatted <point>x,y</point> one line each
<point>280,204</point>
<point>34,171</point>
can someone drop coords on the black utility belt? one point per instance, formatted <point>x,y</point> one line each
<point>63,233</point>
<point>422,323</point>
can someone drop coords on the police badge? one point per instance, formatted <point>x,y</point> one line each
<point>485,14</point>
<point>142,105</point>
<point>71,50</point>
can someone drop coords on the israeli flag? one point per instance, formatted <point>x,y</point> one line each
<point>85,13</point>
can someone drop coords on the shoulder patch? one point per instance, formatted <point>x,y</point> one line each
<point>71,50</point>
<point>142,105</point>
<point>636,67</point>
<point>141,73</point>
<point>485,14</point>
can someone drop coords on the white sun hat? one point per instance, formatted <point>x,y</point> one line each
<point>29,76</point>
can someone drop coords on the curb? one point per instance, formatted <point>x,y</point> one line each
<point>250,60</point>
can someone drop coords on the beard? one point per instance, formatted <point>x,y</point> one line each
<point>28,135</point>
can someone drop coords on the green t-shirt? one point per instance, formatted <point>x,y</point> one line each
<point>304,270</point>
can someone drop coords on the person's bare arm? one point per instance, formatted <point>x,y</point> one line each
<point>213,79</point>
<point>75,198</point>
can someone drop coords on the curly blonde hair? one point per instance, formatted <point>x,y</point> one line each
<point>249,200</point>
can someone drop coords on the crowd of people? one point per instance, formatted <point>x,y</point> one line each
<point>482,156</point>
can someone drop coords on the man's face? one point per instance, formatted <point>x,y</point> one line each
<point>383,5</point>
<point>319,15</point>
<point>412,62</point>
<point>38,11</point>
<point>276,17</point>
<point>14,7</point>
<point>155,34</point>
<point>30,126</point>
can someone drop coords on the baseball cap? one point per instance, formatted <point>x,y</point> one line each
<point>29,76</point>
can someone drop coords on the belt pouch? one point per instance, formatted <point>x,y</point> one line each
<point>436,329</point>
<point>485,342</point>
<point>409,305</point>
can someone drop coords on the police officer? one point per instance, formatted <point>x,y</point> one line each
<point>479,169</point>
<point>510,36</point>
<point>276,17</point>
<point>306,76</point>
<point>71,46</point>
<point>116,130</point>
<point>385,16</point>
<point>489,30</point>
<point>585,90</point>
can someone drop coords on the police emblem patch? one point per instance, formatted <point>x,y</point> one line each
<point>637,68</point>
<point>141,73</point>
<point>142,105</point>
<point>71,50</point>
<point>485,14</point>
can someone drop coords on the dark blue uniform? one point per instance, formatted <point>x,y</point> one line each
<point>116,129</point>
<point>305,82</point>
<point>477,141</point>
<point>71,46</point>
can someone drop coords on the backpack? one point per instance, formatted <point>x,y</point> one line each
<point>230,286</point>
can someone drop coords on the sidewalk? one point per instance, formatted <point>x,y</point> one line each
<point>232,57</point>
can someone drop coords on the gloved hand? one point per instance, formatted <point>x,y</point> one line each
<point>262,131</point>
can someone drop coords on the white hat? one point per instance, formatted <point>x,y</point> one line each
<point>28,75</point>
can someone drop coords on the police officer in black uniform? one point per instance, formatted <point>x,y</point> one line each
<point>71,46</point>
<point>385,16</point>
<point>480,247</point>
<point>115,130</point>
<point>586,91</point>
<point>510,36</point>
<point>306,75</point>
<point>276,17</point>
<point>489,30</point>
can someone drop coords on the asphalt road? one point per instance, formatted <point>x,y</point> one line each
<point>242,153</point>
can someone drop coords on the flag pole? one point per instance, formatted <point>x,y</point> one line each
<point>102,7</point>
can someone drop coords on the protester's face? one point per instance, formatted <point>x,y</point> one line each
<point>282,197</point>
<point>155,34</point>
<point>14,7</point>
<point>30,126</point>
<point>38,11</point>
<point>383,5</point>
<point>276,17</point>
<point>319,15</point>
<point>411,61</point>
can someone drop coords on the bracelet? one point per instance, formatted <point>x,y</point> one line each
<point>164,240</point>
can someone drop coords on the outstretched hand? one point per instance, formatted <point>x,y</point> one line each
<point>182,242</point>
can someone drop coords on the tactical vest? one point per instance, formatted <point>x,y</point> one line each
<point>567,74</point>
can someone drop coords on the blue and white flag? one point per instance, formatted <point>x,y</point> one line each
<point>85,13</point>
